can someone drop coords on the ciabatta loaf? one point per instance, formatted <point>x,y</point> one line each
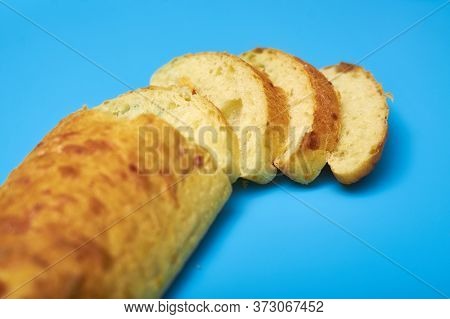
<point>193,115</point>
<point>313,110</point>
<point>94,213</point>
<point>364,113</point>
<point>249,101</point>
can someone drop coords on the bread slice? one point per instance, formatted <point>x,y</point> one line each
<point>249,101</point>
<point>313,109</point>
<point>193,115</point>
<point>364,122</point>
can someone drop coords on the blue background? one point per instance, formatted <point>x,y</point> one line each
<point>265,243</point>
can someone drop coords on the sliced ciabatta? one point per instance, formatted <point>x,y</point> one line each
<point>252,105</point>
<point>313,108</point>
<point>193,115</point>
<point>364,113</point>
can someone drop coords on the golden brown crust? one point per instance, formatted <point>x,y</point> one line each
<point>367,166</point>
<point>80,214</point>
<point>344,67</point>
<point>278,116</point>
<point>326,125</point>
<point>321,141</point>
<point>278,121</point>
<point>311,155</point>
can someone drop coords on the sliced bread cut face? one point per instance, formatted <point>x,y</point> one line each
<point>313,108</point>
<point>254,108</point>
<point>194,116</point>
<point>364,113</point>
